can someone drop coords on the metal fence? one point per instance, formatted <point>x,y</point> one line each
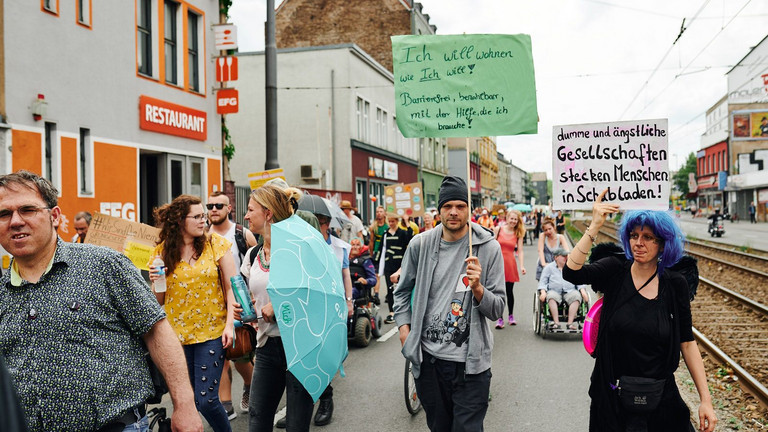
<point>242,195</point>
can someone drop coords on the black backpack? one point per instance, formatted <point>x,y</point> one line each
<point>242,244</point>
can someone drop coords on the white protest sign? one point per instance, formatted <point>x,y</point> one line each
<point>629,158</point>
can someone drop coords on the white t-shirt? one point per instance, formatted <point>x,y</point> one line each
<point>258,277</point>
<point>230,235</point>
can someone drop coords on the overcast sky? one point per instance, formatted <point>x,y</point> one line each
<point>599,61</point>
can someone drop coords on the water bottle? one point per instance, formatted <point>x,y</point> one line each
<point>243,296</point>
<point>159,283</point>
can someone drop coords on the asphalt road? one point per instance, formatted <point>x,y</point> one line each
<point>537,383</point>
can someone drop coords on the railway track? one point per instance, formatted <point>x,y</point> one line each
<point>728,324</point>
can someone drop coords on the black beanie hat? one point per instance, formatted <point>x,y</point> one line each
<point>453,188</point>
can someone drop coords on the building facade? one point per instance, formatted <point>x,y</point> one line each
<point>539,185</point>
<point>712,175</point>
<point>337,130</point>
<point>433,166</point>
<point>518,179</point>
<point>748,128</point>
<point>111,102</point>
<point>366,23</point>
<point>505,181</point>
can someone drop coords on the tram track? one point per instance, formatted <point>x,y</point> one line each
<point>728,324</point>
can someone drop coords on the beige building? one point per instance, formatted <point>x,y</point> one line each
<point>485,149</point>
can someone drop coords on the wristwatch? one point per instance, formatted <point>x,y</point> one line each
<point>349,298</point>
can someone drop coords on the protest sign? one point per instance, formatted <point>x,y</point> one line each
<point>257,179</point>
<point>464,85</point>
<point>629,158</point>
<point>134,240</point>
<point>404,200</point>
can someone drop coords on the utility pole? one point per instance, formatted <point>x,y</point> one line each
<point>270,75</point>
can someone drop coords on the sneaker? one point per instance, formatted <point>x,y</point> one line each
<point>246,398</point>
<point>230,409</point>
<point>512,320</point>
<point>390,319</point>
<point>500,323</point>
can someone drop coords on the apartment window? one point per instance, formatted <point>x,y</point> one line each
<point>144,36</point>
<point>171,43</point>
<point>85,162</point>
<point>84,12</point>
<point>51,6</point>
<point>363,121</point>
<point>193,52</point>
<point>381,128</point>
<point>50,152</point>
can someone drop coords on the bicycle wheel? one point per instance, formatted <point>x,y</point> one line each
<point>412,402</point>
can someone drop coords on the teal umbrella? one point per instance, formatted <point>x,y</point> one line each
<point>307,294</point>
<point>522,207</point>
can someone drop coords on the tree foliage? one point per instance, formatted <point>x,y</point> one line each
<point>680,179</point>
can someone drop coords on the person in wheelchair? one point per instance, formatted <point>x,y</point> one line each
<point>554,290</point>
<point>362,271</point>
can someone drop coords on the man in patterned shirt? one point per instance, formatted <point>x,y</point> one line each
<point>73,323</point>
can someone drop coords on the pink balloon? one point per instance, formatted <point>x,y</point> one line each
<point>591,323</point>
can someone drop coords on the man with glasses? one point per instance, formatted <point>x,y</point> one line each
<point>73,315</point>
<point>219,210</point>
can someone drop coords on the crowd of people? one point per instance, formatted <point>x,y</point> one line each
<point>78,319</point>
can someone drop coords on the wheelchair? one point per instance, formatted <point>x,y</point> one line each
<point>365,323</point>
<point>542,317</point>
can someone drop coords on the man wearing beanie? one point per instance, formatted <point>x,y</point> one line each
<point>444,328</point>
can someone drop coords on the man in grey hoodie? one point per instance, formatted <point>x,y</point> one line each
<point>443,327</point>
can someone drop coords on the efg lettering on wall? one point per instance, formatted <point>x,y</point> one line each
<point>125,211</point>
<point>629,158</point>
<point>164,117</point>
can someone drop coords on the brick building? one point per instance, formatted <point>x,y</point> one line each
<point>366,23</point>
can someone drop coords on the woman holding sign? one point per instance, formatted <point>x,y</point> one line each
<point>199,309</point>
<point>645,325</point>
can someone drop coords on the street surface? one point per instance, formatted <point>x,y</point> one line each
<point>538,384</point>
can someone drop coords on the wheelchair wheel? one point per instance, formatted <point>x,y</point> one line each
<point>376,323</point>
<point>362,332</point>
<point>412,402</point>
<point>536,314</point>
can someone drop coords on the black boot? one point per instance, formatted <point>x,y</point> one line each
<point>324,412</point>
<point>281,423</point>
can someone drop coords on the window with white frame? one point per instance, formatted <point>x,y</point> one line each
<point>85,162</point>
<point>84,12</point>
<point>51,153</point>
<point>363,120</point>
<point>171,42</point>
<point>51,6</point>
<point>144,36</point>
<point>381,128</point>
<point>193,51</point>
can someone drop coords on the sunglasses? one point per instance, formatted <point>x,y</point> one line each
<point>218,206</point>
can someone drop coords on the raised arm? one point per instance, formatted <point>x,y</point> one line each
<point>600,212</point>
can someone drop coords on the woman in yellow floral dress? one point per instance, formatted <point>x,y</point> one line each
<point>199,309</point>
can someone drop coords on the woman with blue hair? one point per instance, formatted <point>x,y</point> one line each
<point>645,325</point>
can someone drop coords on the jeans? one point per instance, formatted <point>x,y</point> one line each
<point>205,361</point>
<point>270,379</point>
<point>140,426</point>
<point>453,400</point>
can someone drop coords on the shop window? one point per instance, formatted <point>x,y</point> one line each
<point>84,12</point>
<point>170,42</point>
<point>50,6</point>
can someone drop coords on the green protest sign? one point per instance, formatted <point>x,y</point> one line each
<point>464,85</point>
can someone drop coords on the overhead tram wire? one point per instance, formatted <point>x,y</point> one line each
<point>682,30</point>
<point>681,73</point>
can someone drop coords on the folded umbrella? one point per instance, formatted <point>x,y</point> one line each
<point>307,294</point>
<point>315,204</point>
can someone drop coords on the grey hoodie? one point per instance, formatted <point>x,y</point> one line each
<point>417,270</point>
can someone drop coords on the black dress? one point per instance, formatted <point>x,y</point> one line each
<point>640,338</point>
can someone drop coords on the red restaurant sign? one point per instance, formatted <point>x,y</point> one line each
<point>164,117</point>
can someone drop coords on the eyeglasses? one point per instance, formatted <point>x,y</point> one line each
<point>25,212</point>
<point>198,218</point>
<point>218,206</point>
<point>647,238</point>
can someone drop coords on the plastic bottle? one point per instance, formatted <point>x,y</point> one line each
<point>243,296</point>
<point>159,284</point>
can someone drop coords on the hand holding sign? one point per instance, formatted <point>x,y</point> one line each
<point>601,210</point>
